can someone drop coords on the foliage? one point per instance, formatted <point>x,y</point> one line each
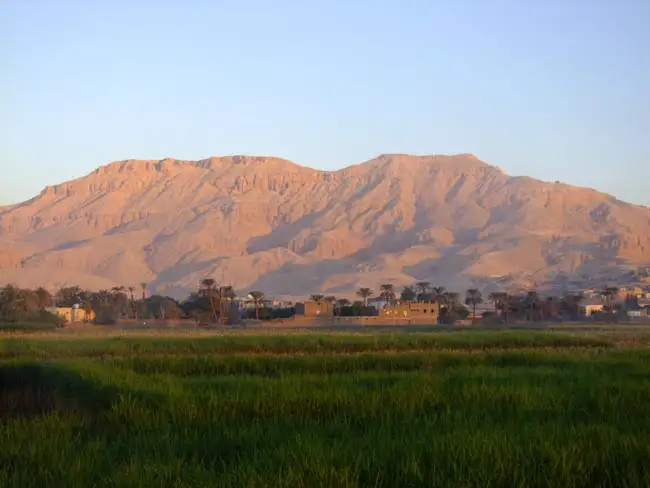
<point>473,298</point>
<point>365,293</point>
<point>387,293</point>
<point>491,409</point>
<point>259,300</point>
<point>408,294</point>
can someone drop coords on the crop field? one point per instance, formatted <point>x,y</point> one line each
<point>443,409</point>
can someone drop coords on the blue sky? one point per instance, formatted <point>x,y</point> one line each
<point>554,89</point>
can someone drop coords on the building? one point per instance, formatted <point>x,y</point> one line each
<point>636,291</point>
<point>248,302</point>
<point>72,315</point>
<point>637,311</point>
<point>426,311</point>
<point>311,308</point>
<point>592,305</point>
<point>378,302</point>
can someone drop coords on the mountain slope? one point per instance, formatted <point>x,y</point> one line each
<point>269,224</point>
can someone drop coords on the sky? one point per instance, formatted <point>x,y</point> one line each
<point>554,89</point>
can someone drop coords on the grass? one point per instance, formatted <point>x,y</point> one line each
<point>25,327</point>
<point>471,409</point>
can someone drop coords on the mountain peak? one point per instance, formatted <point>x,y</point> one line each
<point>259,222</point>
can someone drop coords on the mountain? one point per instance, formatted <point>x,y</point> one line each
<point>269,224</point>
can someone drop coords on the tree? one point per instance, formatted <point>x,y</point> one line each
<point>571,305</point>
<point>408,294</point>
<point>162,307</point>
<point>342,303</point>
<point>531,304</point>
<point>208,289</point>
<point>87,306</point>
<point>197,305</point>
<point>120,300</point>
<point>104,303</point>
<point>423,291</point>
<point>550,307</point>
<point>331,300</point>
<point>609,295</point>
<point>22,304</point>
<point>143,286</point>
<point>447,301</point>
<point>44,298</point>
<point>631,302</point>
<point>438,294</point>
<point>69,296</point>
<point>131,290</point>
<point>357,308</point>
<point>316,298</point>
<point>500,302</point>
<point>494,298</point>
<point>451,309</point>
<point>226,294</point>
<point>473,298</point>
<point>365,293</point>
<point>11,306</point>
<point>259,299</point>
<point>387,293</point>
<point>423,286</point>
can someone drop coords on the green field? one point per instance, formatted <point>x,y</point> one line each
<point>453,409</point>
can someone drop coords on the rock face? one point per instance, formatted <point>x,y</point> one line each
<point>269,224</point>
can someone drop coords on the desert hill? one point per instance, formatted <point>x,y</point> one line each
<point>269,224</point>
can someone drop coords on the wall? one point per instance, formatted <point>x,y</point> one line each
<point>310,308</point>
<point>428,312</point>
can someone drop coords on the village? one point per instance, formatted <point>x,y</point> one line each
<point>422,303</point>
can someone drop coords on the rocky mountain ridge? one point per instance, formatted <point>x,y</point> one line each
<point>270,224</point>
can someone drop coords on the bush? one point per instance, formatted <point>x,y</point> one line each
<point>45,317</point>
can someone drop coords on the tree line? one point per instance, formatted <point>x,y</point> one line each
<point>504,307</point>
<point>212,302</point>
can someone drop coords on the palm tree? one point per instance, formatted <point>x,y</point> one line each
<point>143,285</point>
<point>365,293</point>
<point>438,293</point>
<point>316,298</point>
<point>473,298</point>
<point>88,308</point>
<point>571,303</point>
<point>549,308</point>
<point>447,301</point>
<point>330,300</point>
<point>207,288</point>
<point>532,303</point>
<point>341,303</point>
<point>500,301</point>
<point>609,295</point>
<point>226,294</point>
<point>132,298</point>
<point>423,286</point>
<point>408,294</point>
<point>494,298</point>
<point>423,290</point>
<point>259,299</point>
<point>387,293</point>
